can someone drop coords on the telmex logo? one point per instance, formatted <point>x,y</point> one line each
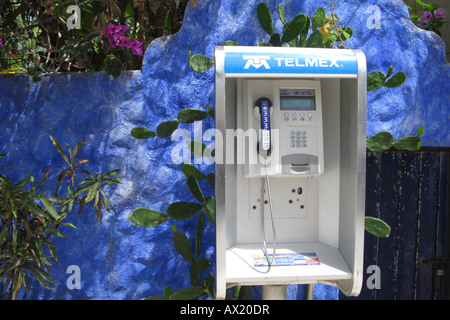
<point>256,61</point>
<point>315,62</point>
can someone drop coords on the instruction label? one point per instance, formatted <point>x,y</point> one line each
<point>287,259</point>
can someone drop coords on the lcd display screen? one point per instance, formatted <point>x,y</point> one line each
<point>297,103</point>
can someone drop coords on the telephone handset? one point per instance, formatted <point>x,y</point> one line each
<point>263,106</point>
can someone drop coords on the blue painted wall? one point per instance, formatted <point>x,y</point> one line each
<point>121,261</point>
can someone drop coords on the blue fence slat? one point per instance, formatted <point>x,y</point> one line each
<point>443,242</point>
<point>407,225</point>
<point>388,213</point>
<point>428,205</point>
<point>372,210</point>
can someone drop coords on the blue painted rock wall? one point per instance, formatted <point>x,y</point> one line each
<point>120,261</point>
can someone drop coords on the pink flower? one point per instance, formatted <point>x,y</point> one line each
<point>112,30</point>
<point>50,3</point>
<point>136,46</point>
<point>440,13</point>
<point>122,29</point>
<point>48,11</point>
<point>426,17</point>
<point>120,41</point>
<point>116,38</point>
<point>1,43</point>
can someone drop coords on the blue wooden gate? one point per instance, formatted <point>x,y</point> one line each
<point>409,191</point>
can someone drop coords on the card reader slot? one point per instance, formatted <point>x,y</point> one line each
<point>299,163</point>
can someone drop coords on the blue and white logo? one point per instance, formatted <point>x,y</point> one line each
<point>329,62</point>
<point>256,61</point>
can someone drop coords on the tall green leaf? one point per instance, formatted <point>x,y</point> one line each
<point>195,190</point>
<point>142,133</point>
<point>165,129</point>
<point>59,149</point>
<point>318,19</point>
<point>265,18</point>
<point>314,40</point>
<point>375,80</point>
<point>380,141</point>
<point>200,63</point>
<point>183,210</point>
<point>147,218</point>
<point>190,170</point>
<point>377,227</point>
<point>210,208</point>
<point>294,28</point>
<point>396,80</point>
<point>199,234</point>
<point>410,143</point>
<point>190,115</point>
<point>50,208</point>
<point>182,245</point>
<point>281,13</point>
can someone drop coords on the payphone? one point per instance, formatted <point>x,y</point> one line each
<point>292,118</point>
<point>290,193</point>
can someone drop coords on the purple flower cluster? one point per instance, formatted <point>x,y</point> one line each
<point>116,38</point>
<point>427,15</point>
<point>48,6</point>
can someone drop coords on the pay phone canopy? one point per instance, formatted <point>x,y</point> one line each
<point>251,62</point>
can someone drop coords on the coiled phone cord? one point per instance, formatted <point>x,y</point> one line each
<point>269,196</point>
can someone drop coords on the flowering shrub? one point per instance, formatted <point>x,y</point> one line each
<point>41,37</point>
<point>116,38</point>
<point>428,17</point>
<point>118,46</point>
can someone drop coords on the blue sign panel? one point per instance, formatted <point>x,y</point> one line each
<point>334,63</point>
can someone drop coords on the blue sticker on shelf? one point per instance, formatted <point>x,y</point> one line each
<point>287,259</point>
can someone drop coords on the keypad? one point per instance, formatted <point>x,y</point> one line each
<point>298,139</point>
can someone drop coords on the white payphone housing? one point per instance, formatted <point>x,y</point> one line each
<point>290,189</point>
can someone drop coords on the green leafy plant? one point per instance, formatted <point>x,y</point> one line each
<point>166,128</point>
<point>383,141</point>
<point>377,227</point>
<point>203,206</point>
<point>325,29</point>
<point>377,79</point>
<point>320,31</point>
<point>29,218</point>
